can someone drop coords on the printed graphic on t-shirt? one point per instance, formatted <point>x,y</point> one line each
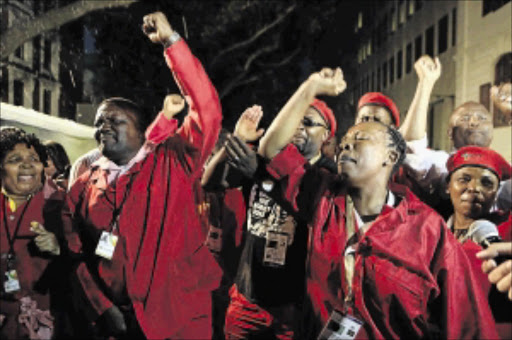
<point>265,215</point>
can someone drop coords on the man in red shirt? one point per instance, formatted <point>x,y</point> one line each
<point>146,272</point>
<point>381,263</point>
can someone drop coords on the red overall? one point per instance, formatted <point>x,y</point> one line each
<point>160,259</point>
<point>411,277</point>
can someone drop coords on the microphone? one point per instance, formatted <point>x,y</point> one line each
<point>485,233</point>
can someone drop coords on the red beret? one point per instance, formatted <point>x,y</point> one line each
<point>482,157</point>
<point>326,113</point>
<point>377,98</point>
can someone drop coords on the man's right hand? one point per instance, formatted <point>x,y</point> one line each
<point>173,104</point>
<point>328,82</point>
<point>428,69</point>
<point>247,126</point>
<point>157,28</point>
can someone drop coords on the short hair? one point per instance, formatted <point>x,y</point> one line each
<point>398,143</point>
<point>143,120</point>
<point>11,136</point>
<point>57,154</point>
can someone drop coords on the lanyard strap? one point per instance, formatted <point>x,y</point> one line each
<point>117,210</point>
<point>12,239</point>
<point>350,258</point>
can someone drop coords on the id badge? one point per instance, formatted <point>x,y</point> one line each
<point>340,327</point>
<point>106,245</point>
<point>12,284</point>
<point>275,249</point>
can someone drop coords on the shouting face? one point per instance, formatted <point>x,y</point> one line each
<point>22,170</point>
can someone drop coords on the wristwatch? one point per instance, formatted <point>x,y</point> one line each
<point>172,39</point>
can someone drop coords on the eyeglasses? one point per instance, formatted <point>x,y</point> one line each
<point>310,123</point>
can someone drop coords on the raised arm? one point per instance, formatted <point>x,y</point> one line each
<point>217,171</point>
<point>327,82</point>
<point>203,122</point>
<point>414,126</point>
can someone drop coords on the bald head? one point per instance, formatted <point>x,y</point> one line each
<point>470,124</point>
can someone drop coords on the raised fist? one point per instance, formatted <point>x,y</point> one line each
<point>428,69</point>
<point>156,27</point>
<point>247,126</point>
<point>328,82</point>
<point>173,104</point>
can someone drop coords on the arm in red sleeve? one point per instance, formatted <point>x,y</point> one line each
<point>202,125</point>
<point>161,129</point>
<point>465,312</point>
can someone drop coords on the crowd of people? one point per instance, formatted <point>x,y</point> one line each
<point>177,229</point>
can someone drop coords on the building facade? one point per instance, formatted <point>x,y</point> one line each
<point>471,39</point>
<point>30,76</point>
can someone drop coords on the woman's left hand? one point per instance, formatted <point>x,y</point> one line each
<point>45,240</point>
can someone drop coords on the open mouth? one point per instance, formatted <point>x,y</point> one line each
<point>26,178</point>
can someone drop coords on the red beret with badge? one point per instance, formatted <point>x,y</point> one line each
<point>481,157</point>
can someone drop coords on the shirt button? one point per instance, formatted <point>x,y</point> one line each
<point>12,217</point>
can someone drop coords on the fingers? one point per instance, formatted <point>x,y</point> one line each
<point>37,228</point>
<point>438,64</point>
<point>488,265</point>
<point>494,250</point>
<point>502,276</point>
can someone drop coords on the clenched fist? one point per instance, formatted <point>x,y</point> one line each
<point>157,28</point>
<point>428,69</point>
<point>328,82</point>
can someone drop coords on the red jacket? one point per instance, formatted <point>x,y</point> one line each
<point>411,278</point>
<point>160,257</point>
<point>39,274</point>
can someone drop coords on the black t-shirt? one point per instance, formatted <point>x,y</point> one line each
<point>266,277</point>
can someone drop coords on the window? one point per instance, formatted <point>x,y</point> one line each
<point>489,6</point>
<point>485,95</point>
<point>20,52</point>
<point>399,64</point>
<point>393,20</point>
<point>442,35</point>
<point>418,47</point>
<point>410,8</point>
<point>419,4</point>
<point>384,75</point>
<point>402,12</point>
<point>35,96</point>
<point>4,80</point>
<point>408,58</point>
<point>47,102</point>
<point>47,54</point>
<point>454,26</point>
<point>378,79</point>
<point>391,70</point>
<point>429,41</point>
<point>18,92</point>
<point>372,85</point>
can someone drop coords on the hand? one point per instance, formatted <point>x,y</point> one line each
<point>246,128</point>
<point>328,82</point>
<point>241,156</point>
<point>173,104</point>
<point>45,240</point>
<point>428,69</point>
<point>500,275</point>
<point>157,28</point>
<point>502,98</point>
<point>112,322</point>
